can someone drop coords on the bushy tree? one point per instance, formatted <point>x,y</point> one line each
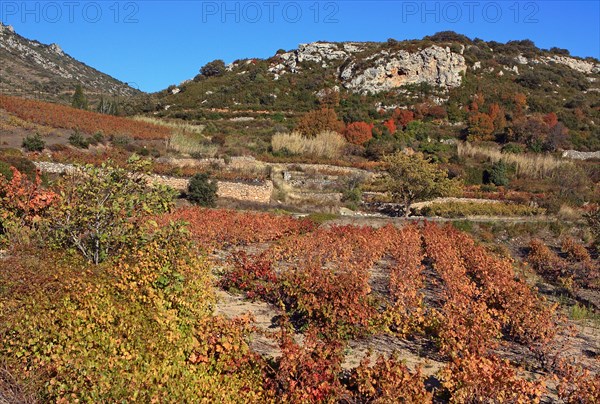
<point>414,178</point>
<point>448,36</point>
<point>79,99</point>
<point>390,125</point>
<point>498,117</point>
<point>498,174</point>
<point>202,191</point>
<point>102,209</point>
<point>532,131</point>
<point>214,68</point>
<point>520,104</point>
<point>403,117</point>
<point>358,132</point>
<point>481,127</point>
<point>34,143</point>
<point>319,120</point>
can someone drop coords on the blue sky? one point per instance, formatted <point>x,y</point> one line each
<point>153,43</point>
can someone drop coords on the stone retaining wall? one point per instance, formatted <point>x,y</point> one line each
<point>235,190</point>
<point>578,155</point>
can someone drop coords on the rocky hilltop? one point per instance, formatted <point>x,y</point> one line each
<point>442,77</point>
<point>381,71</point>
<point>30,68</point>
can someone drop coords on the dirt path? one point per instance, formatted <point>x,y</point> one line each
<point>266,317</point>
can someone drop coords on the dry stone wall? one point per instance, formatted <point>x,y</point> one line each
<point>578,155</point>
<point>260,193</point>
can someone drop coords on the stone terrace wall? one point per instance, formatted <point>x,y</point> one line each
<point>578,155</point>
<point>235,190</point>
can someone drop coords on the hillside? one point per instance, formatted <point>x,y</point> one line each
<point>32,69</point>
<point>438,77</point>
<point>413,221</point>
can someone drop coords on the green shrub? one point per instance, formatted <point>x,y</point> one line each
<point>351,190</point>
<point>76,139</point>
<point>464,209</point>
<point>85,335</point>
<point>10,153</point>
<point>513,148</point>
<point>20,163</point>
<point>5,170</point>
<point>103,209</point>
<point>121,141</point>
<point>473,175</point>
<point>498,174</point>
<point>98,137</point>
<point>202,191</point>
<point>34,143</point>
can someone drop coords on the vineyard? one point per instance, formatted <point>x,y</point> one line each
<point>110,295</point>
<point>430,283</point>
<point>64,117</point>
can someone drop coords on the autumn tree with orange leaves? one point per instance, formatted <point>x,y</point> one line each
<point>358,132</point>
<point>22,202</point>
<point>402,117</point>
<point>481,127</point>
<point>320,120</point>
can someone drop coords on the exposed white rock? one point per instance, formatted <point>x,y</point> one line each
<point>434,65</point>
<point>319,51</point>
<point>578,155</point>
<point>522,60</point>
<point>8,29</point>
<point>176,90</point>
<point>327,91</point>
<point>353,47</point>
<point>56,49</point>
<point>582,66</point>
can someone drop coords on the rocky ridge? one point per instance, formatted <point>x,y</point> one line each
<point>379,71</point>
<point>30,67</point>
<point>363,71</point>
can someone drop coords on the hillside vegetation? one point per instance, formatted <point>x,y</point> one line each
<point>506,93</point>
<point>139,323</point>
<point>378,223</point>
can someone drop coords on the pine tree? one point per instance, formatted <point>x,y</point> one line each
<point>79,99</point>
